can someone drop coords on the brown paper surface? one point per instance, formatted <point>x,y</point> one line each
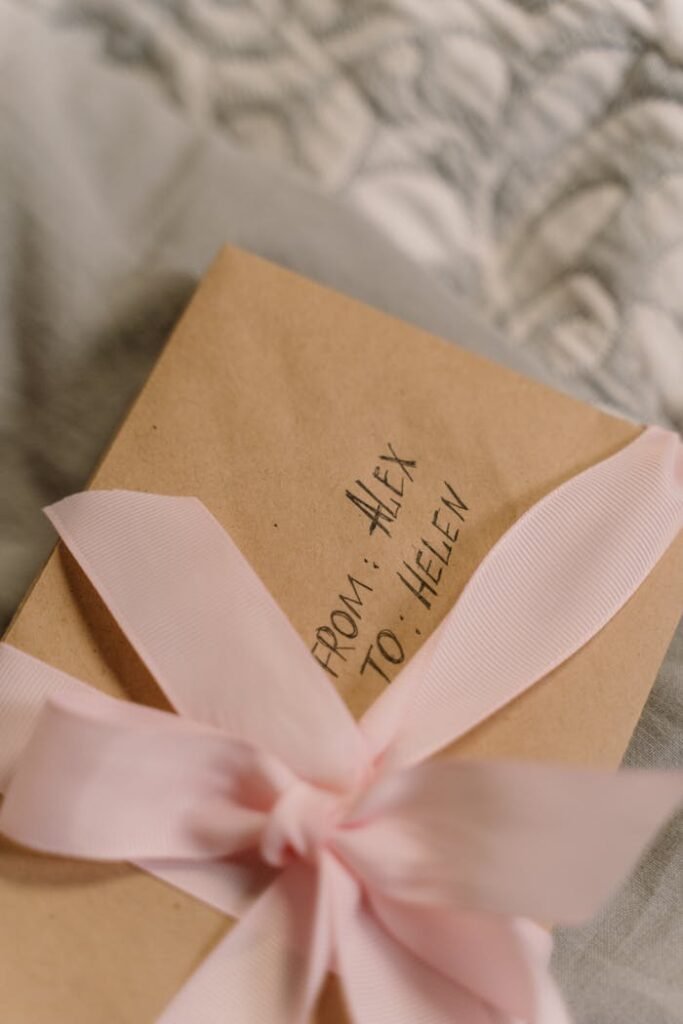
<point>273,399</point>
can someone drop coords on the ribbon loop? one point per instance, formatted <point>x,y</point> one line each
<point>544,842</point>
<point>104,779</point>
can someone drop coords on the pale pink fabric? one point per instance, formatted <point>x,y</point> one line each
<point>339,845</point>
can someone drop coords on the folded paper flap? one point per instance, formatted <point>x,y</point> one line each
<point>364,468</point>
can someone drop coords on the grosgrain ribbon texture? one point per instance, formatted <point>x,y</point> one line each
<point>417,881</point>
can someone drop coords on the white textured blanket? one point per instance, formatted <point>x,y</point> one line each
<point>530,151</point>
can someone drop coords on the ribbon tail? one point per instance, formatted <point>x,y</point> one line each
<point>260,972</point>
<point>383,981</point>
<point>552,581</point>
<point>549,1005</point>
<point>502,960</point>
<point>487,954</point>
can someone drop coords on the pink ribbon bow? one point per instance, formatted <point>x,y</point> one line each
<point>415,880</point>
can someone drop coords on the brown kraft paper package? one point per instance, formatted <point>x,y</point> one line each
<point>364,468</point>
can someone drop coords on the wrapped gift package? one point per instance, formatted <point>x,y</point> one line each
<point>364,468</point>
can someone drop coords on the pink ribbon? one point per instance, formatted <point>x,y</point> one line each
<point>340,846</point>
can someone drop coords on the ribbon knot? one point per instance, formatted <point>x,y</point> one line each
<point>417,880</point>
<point>300,824</point>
